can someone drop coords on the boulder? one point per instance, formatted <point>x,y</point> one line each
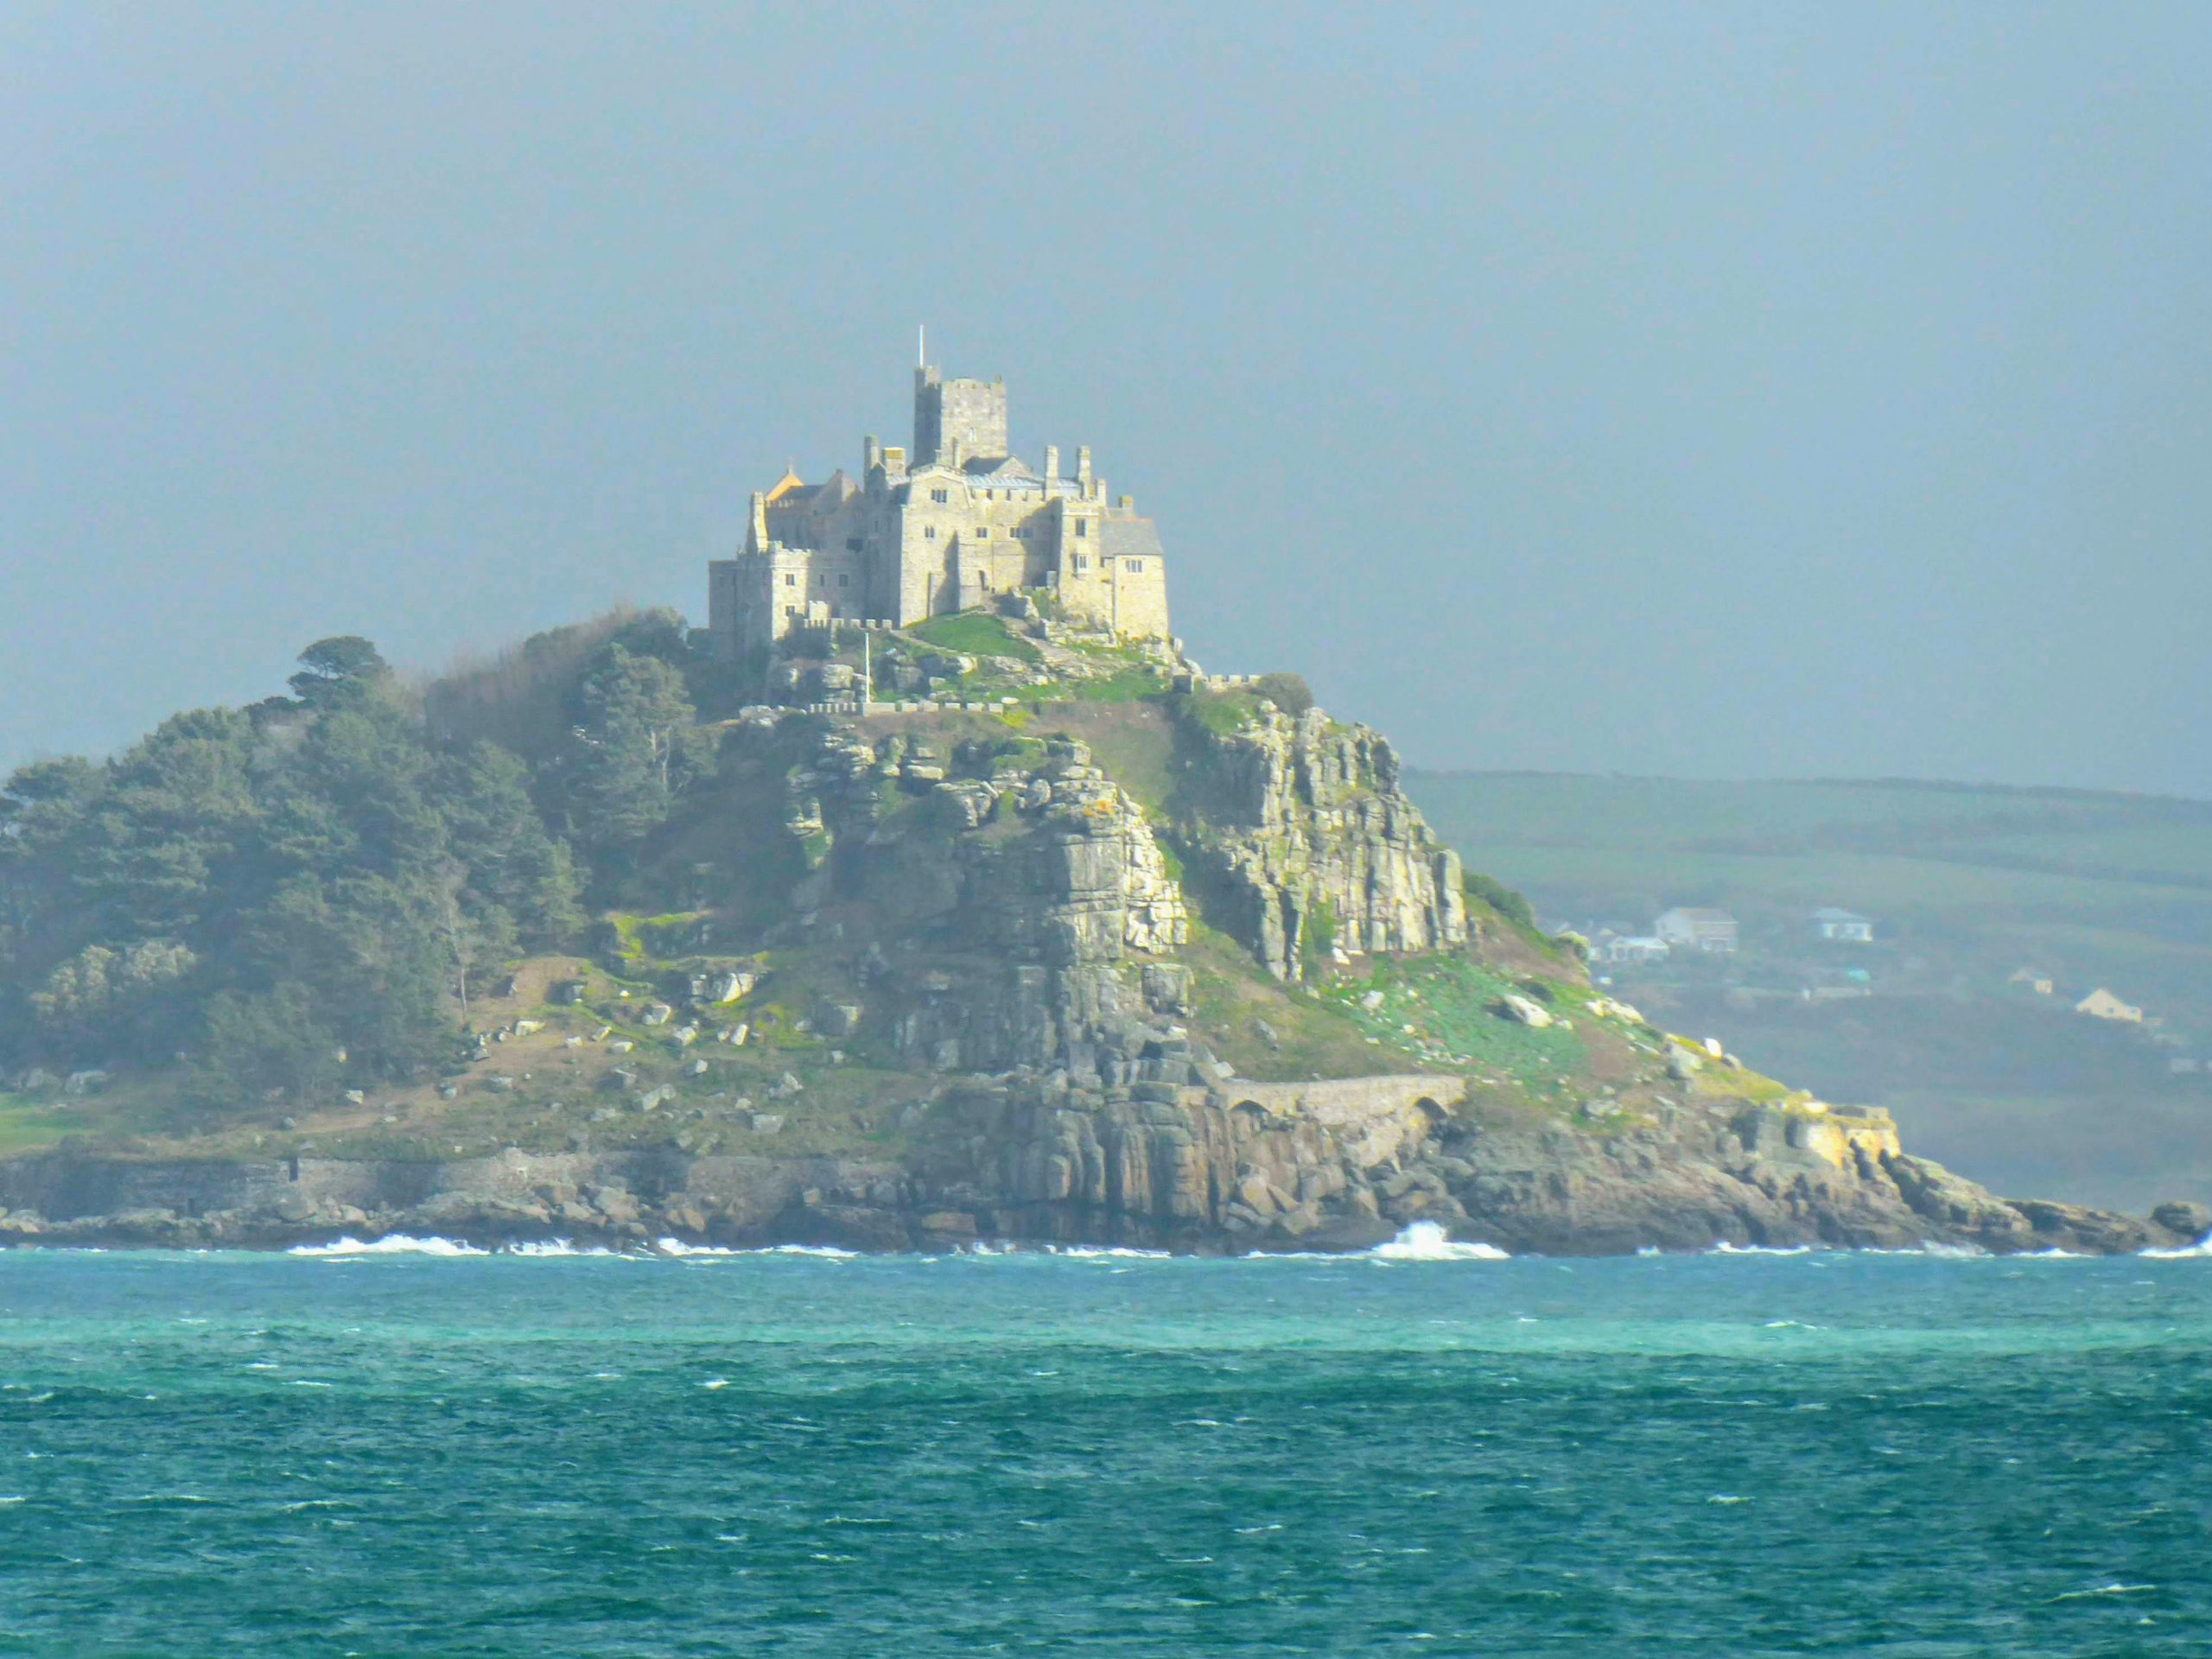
<point>2192,1221</point>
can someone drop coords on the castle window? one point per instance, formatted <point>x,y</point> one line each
<point>852,544</point>
<point>843,581</point>
<point>790,581</point>
<point>939,497</point>
<point>1083,526</point>
<point>929,533</point>
<point>982,533</point>
<point>1134,567</point>
<point>1083,561</point>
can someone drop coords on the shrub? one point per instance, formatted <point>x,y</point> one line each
<point>1512,905</point>
<point>1318,938</point>
<point>1221,712</point>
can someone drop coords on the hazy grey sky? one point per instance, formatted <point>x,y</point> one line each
<point>1722,390</point>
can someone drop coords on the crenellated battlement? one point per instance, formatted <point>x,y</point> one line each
<point>948,526</point>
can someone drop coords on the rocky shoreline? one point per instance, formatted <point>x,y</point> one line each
<point>1326,1166</point>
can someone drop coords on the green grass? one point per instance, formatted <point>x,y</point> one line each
<point>28,1124</point>
<point>975,634</point>
<point>1125,685</point>
<point>1222,712</point>
<point>1451,1002</point>
<point>1311,1036</point>
<point>1134,743</point>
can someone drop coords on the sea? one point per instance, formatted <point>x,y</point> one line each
<point>409,1448</point>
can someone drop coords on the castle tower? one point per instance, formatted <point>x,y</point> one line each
<point>958,420</point>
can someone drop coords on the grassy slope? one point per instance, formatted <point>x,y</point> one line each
<point>2096,888</point>
<point>977,634</point>
<point>1969,884</point>
<point>538,1090</point>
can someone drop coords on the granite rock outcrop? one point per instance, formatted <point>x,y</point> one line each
<point>1231,1167</point>
<point>1301,825</point>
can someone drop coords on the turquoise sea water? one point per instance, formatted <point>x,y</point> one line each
<point>801,1455</point>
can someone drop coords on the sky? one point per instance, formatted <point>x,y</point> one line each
<point>1706,390</point>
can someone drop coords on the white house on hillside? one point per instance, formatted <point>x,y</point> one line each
<point>1697,929</point>
<point>1636,948</point>
<point>1842,926</point>
<point>2101,1004</point>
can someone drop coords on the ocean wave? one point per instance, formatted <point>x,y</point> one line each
<point>2199,1251</point>
<point>677,1247</point>
<point>393,1244</point>
<point>1426,1241</point>
<point>988,1248</point>
<point>1721,1247</point>
<point>553,1247</point>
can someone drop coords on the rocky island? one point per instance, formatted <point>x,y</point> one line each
<point>930,895</point>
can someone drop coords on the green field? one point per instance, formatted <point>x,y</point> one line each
<point>2092,888</point>
<point>1967,884</point>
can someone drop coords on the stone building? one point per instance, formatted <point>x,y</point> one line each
<point>945,528</point>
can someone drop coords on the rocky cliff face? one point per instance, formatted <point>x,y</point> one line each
<point>1301,824</point>
<point>1001,932</point>
<point>1250,1166</point>
<point>1011,915</point>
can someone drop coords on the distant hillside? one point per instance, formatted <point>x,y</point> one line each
<point>1967,884</point>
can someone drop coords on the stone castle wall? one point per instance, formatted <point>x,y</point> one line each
<point>956,419</point>
<point>963,525</point>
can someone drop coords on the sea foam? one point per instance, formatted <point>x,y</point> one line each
<point>1426,1241</point>
<point>2199,1251</point>
<point>677,1247</point>
<point>395,1244</point>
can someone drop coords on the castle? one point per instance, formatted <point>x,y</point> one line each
<point>950,528</point>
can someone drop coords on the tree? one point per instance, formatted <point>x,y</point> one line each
<point>1288,692</point>
<point>367,952</point>
<point>157,848</point>
<point>337,669</point>
<point>94,1004</point>
<point>475,935</point>
<point>43,807</point>
<point>271,1042</point>
<point>513,864</point>
<point>636,750</point>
